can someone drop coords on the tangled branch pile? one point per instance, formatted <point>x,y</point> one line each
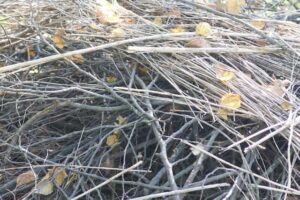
<point>147,99</point>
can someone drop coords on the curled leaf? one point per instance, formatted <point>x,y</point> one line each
<point>231,101</point>
<point>77,58</point>
<point>223,113</point>
<point>203,29</point>
<point>157,21</point>
<point>111,79</point>
<point>197,43</point>
<point>286,105</point>
<point>25,178</point>
<point>117,33</point>
<point>112,139</point>
<point>259,24</point>
<point>177,29</point>
<point>58,41</point>
<point>44,187</point>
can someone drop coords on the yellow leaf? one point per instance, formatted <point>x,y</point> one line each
<point>258,24</point>
<point>231,101</point>
<point>94,26</point>
<point>225,76</point>
<point>58,41</point>
<point>177,29</point>
<point>44,187</point>
<point>59,175</point>
<point>143,70</point>
<point>112,139</point>
<point>117,33</point>
<point>203,29</point>
<point>234,6</point>
<point>77,58</point>
<point>286,105</point>
<point>25,178</point>
<point>158,21</point>
<point>223,113</point>
<point>121,120</point>
<point>111,78</point>
<point>31,52</point>
<point>106,14</point>
<point>34,70</point>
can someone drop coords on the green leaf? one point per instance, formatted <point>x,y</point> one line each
<point>3,19</point>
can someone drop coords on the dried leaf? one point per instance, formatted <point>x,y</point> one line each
<point>112,139</point>
<point>278,87</point>
<point>224,76</point>
<point>231,101</point>
<point>111,78</point>
<point>177,29</point>
<point>31,52</point>
<point>44,187</point>
<point>25,178</point>
<point>231,6</point>
<point>197,43</point>
<point>118,33</point>
<point>143,70</point>
<point>258,24</point>
<point>121,120</point>
<point>94,26</point>
<point>58,41</point>
<point>223,113</point>
<point>286,105</point>
<point>158,21</point>
<point>196,150</point>
<point>106,14</point>
<point>59,175</point>
<point>77,58</point>
<point>203,29</point>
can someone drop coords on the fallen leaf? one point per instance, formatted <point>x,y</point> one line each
<point>277,87</point>
<point>142,70</point>
<point>58,41</point>
<point>223,113</point>
<point>31,52</point>
<point>203,29</point>
<point>117,33</point>
<point>121,120</point>
<point>158,21</point>
<point>258,24</point>
<point>286,105</point>
<point>25,178</point>
<point>111,78</point>
<point>94,26</point>
<point>177,29</point>
<point>77,58</point>
<point>224,76</point>
<point>231,101</point>
<point>197,43</point>
<point>106,14</point>
<point>59,175</point>
<point>112,139</point>
<point>44,187</point>
<point>230,6</point>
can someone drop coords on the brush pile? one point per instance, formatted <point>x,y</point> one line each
<point>148,100</point>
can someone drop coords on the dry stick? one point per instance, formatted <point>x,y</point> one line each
<point>270,135</point>
<point>138,49</point>
<point>29,122</point>
<point>182,191</point>
<point>108,180</point>
<point>241,169</point>
<point>47,59</point>
<point>257,31</point>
